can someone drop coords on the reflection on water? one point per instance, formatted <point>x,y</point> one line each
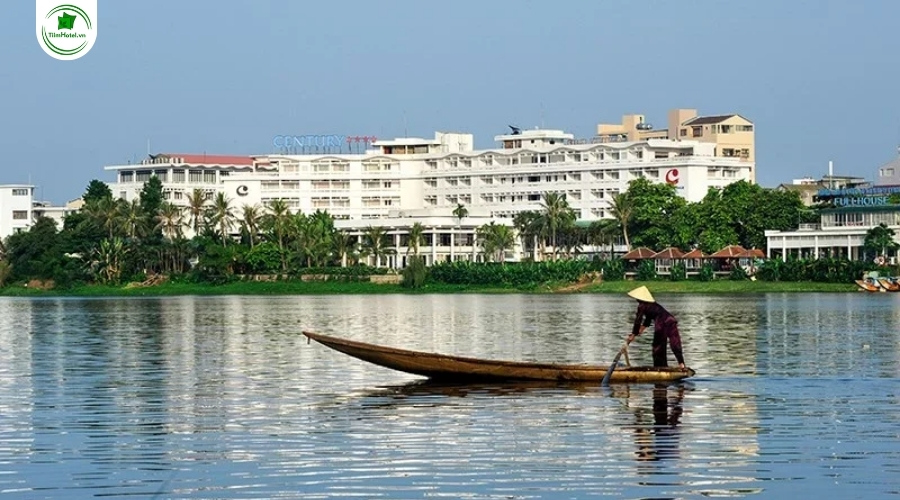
<point>222,398</point>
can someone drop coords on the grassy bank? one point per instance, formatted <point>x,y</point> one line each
<point>326,288</point>
<point>720,286</point>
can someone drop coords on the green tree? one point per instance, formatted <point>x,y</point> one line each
<point>196,208</point>
<point>621,208</point>
<point>416,238</point>
<point>96,190</point>
<point>151,197</point>
<point>556,214</point>
<point>652,207</point>
<point>529,227</point>
<point>460,212</point>
<point>250,222</point>
<point>879,241</point>
<point>221,216</point>
<point>376,244</point>
<point>277,222</point>
<point>495,240</point>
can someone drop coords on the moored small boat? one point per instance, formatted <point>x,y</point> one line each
<point>458,368</point>
<point>889,284</point>
<point>869,285</point>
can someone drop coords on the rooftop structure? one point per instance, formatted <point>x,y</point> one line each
<point>732,134</point>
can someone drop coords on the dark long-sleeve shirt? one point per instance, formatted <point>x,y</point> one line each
<point>650,312</point>
<point>666,326</point>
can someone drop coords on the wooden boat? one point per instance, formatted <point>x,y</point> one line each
<point>868,286</point>
<point>456,368</point>
<point>889,284</point>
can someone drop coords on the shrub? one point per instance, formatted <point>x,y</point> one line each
<point>678,272</point>
<point>415,273</point>
<point>737,274</point>
<point>613,270</point>
<point>646,270</point>
<point>706,273</point>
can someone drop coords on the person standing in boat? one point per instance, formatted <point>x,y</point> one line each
<point>665,327</point>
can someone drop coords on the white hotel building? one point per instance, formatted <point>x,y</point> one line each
<point>402,181</point>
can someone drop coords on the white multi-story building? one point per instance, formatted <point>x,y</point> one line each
<point>180,175</point>
<point>440,174</point>
<point>407,180</point>
<point>15,208</point>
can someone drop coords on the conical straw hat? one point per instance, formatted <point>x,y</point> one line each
<point>642,294</point>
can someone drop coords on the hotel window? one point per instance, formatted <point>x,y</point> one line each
<point>20,192</point>
<point>178,175</point>
<point>696,131</point>
<point>126,176</point>
<point>20,214</point>
<point>209,177</point>
<point>195,176</point>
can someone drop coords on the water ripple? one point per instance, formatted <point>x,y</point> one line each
<point>203,398</point>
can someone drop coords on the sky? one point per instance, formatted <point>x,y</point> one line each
<point>818,78</point>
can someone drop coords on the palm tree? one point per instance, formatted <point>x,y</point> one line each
<point>251,216</point>
<point>529,226</point>
<point>105,211</point>
<point>622,209</point>
<point>344,246</point>
<point>278,223</point>
<point>375,243</point>
<point>557,213</point>
<point>170,220</point>
<point>460,212</point>
<point>602,232</point>
<point>416,238</point>
<point>316,236</point>
<point>196,208</point>
<point>133,218</point>
<point>495,240</point>
<point>220,215</point>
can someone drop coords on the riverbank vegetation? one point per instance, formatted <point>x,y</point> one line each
<point>113,246</point>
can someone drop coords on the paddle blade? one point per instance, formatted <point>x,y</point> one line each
<point>612,367</point>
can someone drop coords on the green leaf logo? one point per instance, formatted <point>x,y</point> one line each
<point>66,21</point>
<point>58,33</point>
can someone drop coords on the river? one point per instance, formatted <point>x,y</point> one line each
<point>222,398</point>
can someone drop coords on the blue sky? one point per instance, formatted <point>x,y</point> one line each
<point>819,78</point>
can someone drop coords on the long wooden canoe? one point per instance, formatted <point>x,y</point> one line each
<point>457,368</point>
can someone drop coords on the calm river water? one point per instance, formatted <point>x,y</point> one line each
<point>222,398</point>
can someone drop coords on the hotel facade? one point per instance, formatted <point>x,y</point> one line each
<point>396,183</point>
<point>842,230</point>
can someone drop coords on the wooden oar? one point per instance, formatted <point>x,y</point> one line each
<point>613,365</point>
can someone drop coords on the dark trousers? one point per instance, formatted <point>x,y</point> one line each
<point>669,332</point>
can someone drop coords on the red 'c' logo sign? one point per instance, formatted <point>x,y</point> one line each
<point>672,177</point>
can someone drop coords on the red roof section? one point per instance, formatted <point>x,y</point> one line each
<point>754,253</point>
<point>639,253</point>
<point>669,253</point>
<point>729,252</point>
<point>694,254</point>
<point>205,159</point>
